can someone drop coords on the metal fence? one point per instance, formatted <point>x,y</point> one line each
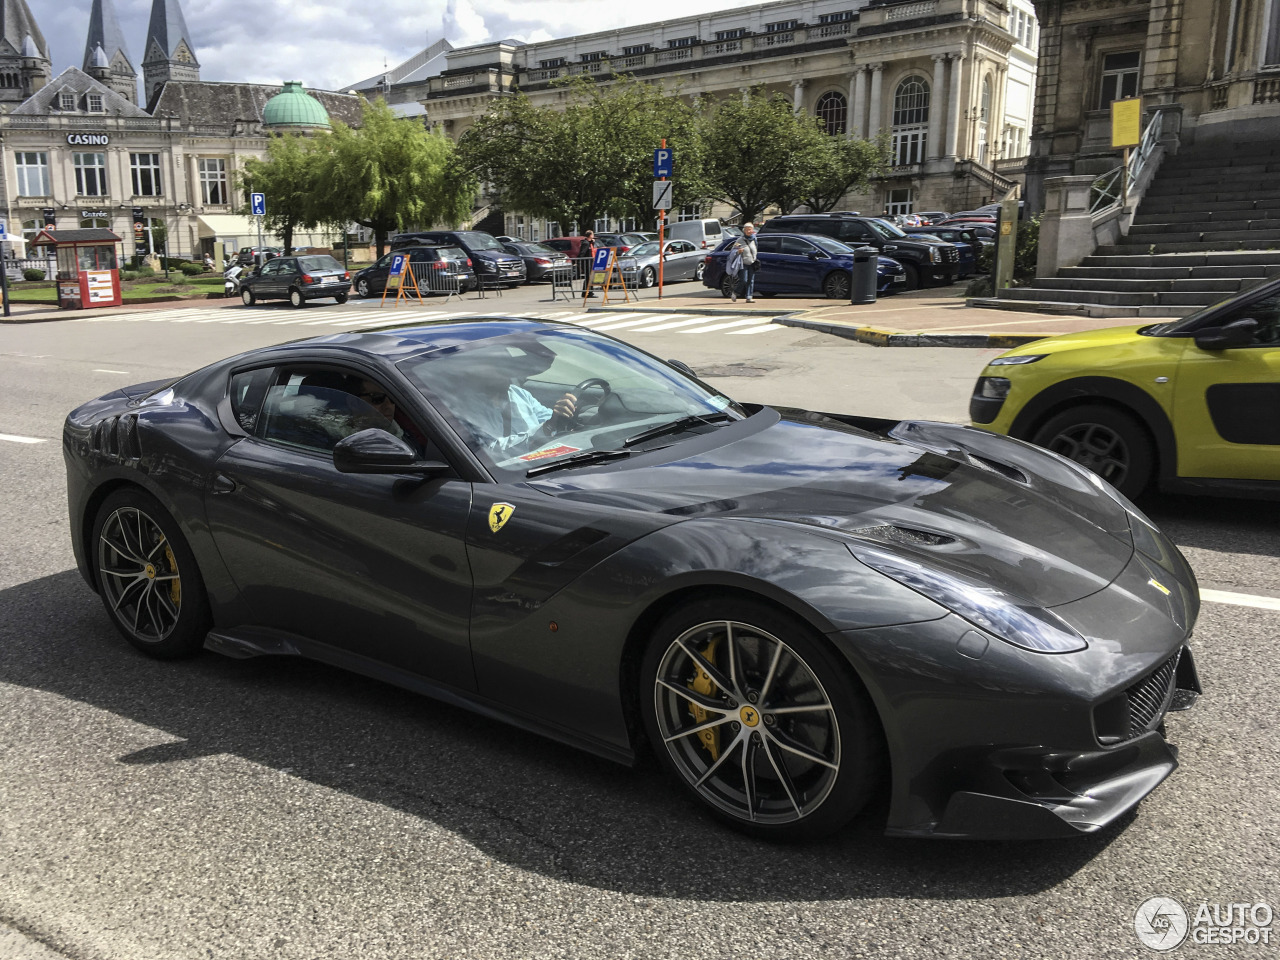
<point>14,266</point>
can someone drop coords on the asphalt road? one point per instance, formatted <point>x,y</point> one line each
<point>272,808</point>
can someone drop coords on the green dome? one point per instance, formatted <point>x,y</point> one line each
<point>294,107</point>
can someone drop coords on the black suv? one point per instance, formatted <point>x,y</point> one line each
<point>925,259</point>
<point>494,266</point>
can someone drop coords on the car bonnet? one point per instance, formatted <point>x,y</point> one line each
<point>959,499</point>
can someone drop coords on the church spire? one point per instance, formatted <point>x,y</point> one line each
<point>106,58</point>
<point>24,55</point>
<point>170,54</point>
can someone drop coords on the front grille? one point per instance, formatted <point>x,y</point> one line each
<point>950,254</point>
<point>1149,698</point>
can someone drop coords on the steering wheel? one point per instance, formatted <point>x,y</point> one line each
<point>585,385</point>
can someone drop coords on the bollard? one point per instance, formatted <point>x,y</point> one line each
<point>863,286</point>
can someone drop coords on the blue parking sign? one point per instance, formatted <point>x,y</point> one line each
<point>258,204</point>
<point>397,264</point>
<point>664,162</point>
<point>601,261</point>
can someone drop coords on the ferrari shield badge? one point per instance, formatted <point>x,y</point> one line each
<point>499,514</point>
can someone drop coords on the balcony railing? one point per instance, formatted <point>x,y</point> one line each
<point>831,30</point>
<point>909,11</point>
<point>456,83</point>
<point>672,56</point>
<point>543,73</point>
<point>726,46</point>
<point>779,39</point>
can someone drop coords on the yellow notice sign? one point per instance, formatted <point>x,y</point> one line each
<point>1126,122</point>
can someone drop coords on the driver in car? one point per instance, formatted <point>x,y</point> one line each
<point>519,420</point>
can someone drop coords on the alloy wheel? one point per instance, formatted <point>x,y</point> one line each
<point>139,575</point>
<point>747,723</point>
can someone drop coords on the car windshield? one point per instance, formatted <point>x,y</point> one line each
<point>633,238</point>
<point>480,241</point>
<point>314,264</point>
<point>647,249</point>
<point>887,230</point>
<point>1191,321</point>
<point>498,395</point>
<point>829,245</point>
<point>451,253</point>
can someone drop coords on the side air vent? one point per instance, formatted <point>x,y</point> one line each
<point>908,535</point>
<point>995,466</point>
<point>127,437</point>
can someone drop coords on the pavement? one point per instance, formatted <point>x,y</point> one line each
<point>936,317</point>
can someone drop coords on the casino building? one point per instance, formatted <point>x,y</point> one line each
<point>83,150</point>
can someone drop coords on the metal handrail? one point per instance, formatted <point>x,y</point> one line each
<point>1110,190</point>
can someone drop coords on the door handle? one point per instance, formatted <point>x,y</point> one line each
<point>223,484</point>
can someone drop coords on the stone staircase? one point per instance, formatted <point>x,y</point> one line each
<point>1208,227</point>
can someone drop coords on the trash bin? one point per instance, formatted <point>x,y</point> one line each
<point>863,287</point>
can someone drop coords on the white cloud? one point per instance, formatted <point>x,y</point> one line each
<point>330,44</point>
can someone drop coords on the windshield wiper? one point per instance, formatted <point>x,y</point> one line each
<point>579,459</point>
<point>675,426</point>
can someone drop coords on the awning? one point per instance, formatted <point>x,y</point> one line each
<point>229,226</point>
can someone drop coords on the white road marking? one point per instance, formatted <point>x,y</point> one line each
<point>1241,599</point>
<point>12,438</point>
<point>100,370</point>
<point>608,318</point>
<point>766,328</point>
<point>672,323</point>
<point>622,325</point>
<point>724,326</point>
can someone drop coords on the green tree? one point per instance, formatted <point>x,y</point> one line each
<point>589,158</point>
<point>756,151</point>
<point>288,176</point>
<point>840,166</point>
<point>390,172</point>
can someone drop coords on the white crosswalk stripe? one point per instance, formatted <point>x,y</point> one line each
<point>374,316</point>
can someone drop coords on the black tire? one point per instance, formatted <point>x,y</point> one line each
<point>340,298</point>
<point>837,285</point>
<point>363,290</point>
<point>247,296</point>
<point>1110,442</point>
<point>913,277</point>
<point>296,298</point>
<point>136,545</point>
<point>790,797</point>
<point>727,286</point>
<point>648,278</point>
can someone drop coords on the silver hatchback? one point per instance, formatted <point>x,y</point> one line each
<point>681,261</point>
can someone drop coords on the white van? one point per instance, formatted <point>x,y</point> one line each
<point>703,234</point>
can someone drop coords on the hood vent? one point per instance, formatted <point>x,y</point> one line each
<point>905,535</point>
<point>995,466</point>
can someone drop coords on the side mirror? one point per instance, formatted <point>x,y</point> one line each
<point>681,365</point>
<point>1238,333</point>
<point>376,451</point>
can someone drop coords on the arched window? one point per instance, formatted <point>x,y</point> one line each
<point>910,121</point>
<point>984,119</point>
<point>833,111</point>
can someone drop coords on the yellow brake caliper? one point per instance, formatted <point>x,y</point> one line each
<point>704,685</point>
<point>175,585</point>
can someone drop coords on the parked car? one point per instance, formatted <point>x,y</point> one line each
<point>540,261</point>
<point>438,269</point>
<point>1188,406</point>
<point>493,265</point>
<point>296,279</point>
<point>703,234</point>
<point>924,259</point>
<point>797,613</point>
<point>681,260</point>
<point>249,255</point>
<point>622,242</point>
<point>968,247</point>
<point>794,263</point>
<point>928,217</point>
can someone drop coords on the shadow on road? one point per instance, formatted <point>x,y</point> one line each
<point>520,799</point>
<point>1217,523</point>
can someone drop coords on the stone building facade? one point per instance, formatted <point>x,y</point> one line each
<point>951,80</point>
<point>78,150</point>
<point>1209,68</point>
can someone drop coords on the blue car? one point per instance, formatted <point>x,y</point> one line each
<point>801,264</point>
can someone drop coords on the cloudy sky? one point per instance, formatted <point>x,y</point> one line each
<point>331,43</point>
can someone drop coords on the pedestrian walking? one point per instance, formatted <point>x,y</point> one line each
<point>588,250</point>
<point>749,262</point>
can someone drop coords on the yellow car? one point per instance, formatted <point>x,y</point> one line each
<point>1190,406</point>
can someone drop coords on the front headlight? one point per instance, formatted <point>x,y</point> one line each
<point>1004,616</point>
<point>935,254</point>
<point>1012,361</point>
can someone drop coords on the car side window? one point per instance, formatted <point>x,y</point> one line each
<point>1267,313</point>
<point>246,392</point>
<point>767,244</point>
<point>797,247</point>
<point>313,409</point>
